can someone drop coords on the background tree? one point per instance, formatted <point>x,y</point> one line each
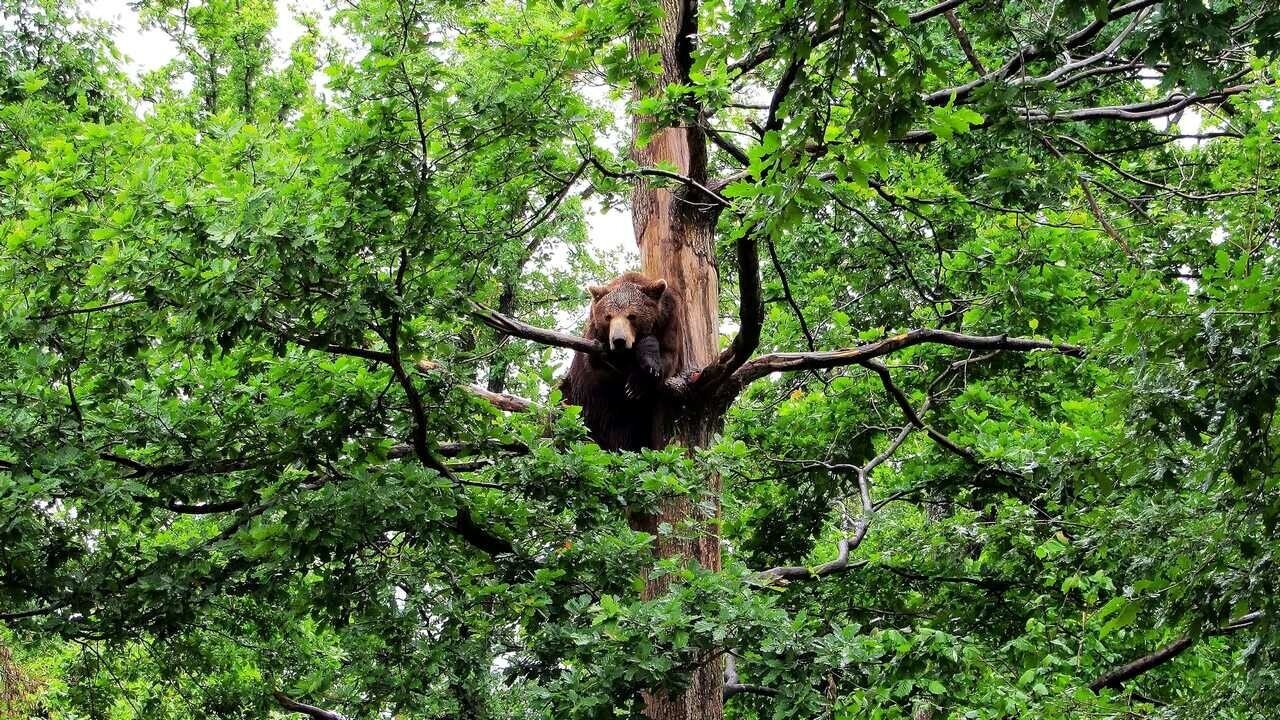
<point>985,348</point>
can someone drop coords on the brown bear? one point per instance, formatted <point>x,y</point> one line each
<point>637,320</point>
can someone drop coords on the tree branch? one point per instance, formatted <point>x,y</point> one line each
<point>43,610</point>
<point>750,311</point>
<point>515,328</point>
<point>962,37</point>
<point>84,310</point>
<point>767,53</point>
<point>325,346</point>
<point>502,401</point>
<point>1134,112</point>
<point>789,76</point>
<point>726,145</point>
<point>733,687</point>
<point>289,703</point>
<point>1117,677</point>
<point>675,386</point>
<point>1028,53</point>
<point>788,362</point>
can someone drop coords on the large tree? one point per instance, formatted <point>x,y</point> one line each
<point>982,360</point>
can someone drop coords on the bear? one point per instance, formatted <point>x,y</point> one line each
<point>637,320</point>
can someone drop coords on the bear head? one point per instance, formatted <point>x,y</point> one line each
<point>626,310</point>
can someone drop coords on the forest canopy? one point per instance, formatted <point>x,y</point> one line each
<point>976,419</point>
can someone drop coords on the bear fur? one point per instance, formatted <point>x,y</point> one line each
<point>637,320</point>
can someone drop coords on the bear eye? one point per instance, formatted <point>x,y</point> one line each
<point>607,318</point>
<point>631,317</point>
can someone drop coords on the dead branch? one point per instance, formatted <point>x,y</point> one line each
<point>1117,677</point>
<point>289,703</point>
<point>515,328</point>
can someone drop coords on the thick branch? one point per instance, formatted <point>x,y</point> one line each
<point>515,328</point>
<point>289,703</point>
<point>728,146</point>
<point>962,37</point>
<point>746,689</point>
<point>773,576</point>
<point>1117,677</point>
<point>789,76</point>
<point>43,610</point>
<point>675,386</point>
<point>750,309</point>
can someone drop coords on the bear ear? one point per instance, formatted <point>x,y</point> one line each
<point>597,291</point>
<point>656,288</point>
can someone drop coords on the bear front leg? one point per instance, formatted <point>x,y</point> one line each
<point>648,367</point>
<point>649,355</point>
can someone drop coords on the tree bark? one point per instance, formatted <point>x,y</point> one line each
<point>674,229</point>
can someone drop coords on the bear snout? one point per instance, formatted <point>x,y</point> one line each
<point>621,334</point>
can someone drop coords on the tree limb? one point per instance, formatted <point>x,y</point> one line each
<point>1028,53</point>
<point>750,310</point>
<point>962,37</point>
<point>289,703</point>
<point>516,328</point>
<point>502,401</point>
<point>674,386</point>
<point>788,362</point>
<point>767,53</point>
<point>1118,676</point>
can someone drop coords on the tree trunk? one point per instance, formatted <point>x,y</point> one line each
<point>675,233</point>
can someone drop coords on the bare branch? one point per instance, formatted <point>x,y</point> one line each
<point>1150,183</point>
<point>502,401</point>
<point>685,180</point>
<point>551,204</point>
<point>962,37</point>
<point>727,145</point>
<point>747,689</point>
<point>733,687</point>
<point>750,310</point>
<point>1028,53</point>
<point>788,362</point>
<point>773,576</point>
<point>289,703</point>
<point>515,328</point>
<point>325,346</point>
<point>1117,677</point>
<point>936,10</point>
<point>1134,112</point>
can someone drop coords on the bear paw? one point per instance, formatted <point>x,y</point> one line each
<point>649,356</point>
